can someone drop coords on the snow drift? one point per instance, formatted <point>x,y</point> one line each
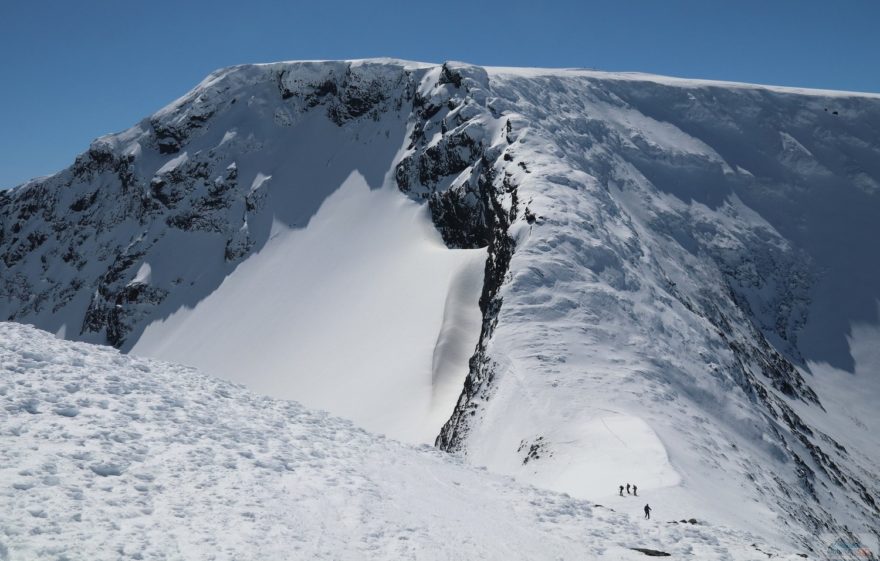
<point>378,304</point>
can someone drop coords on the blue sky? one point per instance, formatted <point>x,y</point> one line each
<point>74,70</point>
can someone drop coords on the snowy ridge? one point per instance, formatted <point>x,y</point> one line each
<point>668,80</point>
<point>106,456</point>
<point>656,279</point>
<point>679,288</point>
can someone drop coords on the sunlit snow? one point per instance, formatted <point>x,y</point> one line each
<point>107,456</point>
<point>364,312</point>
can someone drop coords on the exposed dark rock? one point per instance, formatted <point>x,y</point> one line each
<point>481,367</point>
<point>84,202</point>
<point>650,552</point>
<point>449,76</point>
<point>132,302</point>
<point>451,155</point>
<point>534,450</point>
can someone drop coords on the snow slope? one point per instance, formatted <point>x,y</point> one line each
<point>276,237</point>
<point>106,456</point>
<point>679,279</point>
<point>368,274</point>
<point>685,265</point>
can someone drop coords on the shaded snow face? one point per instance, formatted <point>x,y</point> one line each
<point>364,313</point>
<point>255,228</point>
<point>807,165</point>
<point>191,191</point>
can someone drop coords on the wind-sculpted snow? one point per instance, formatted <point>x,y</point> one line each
<point>221,196</point>
<point>656,276</point>
<point>680,287</point>
<point>105,456</point>
<point>369,268</point>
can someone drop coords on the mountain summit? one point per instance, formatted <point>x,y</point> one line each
<point>577,278</point>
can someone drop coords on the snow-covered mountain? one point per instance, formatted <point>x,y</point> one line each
<point>577,278</point>
<point>106,456</point>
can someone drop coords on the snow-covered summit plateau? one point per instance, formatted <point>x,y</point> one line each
<point>577,278</point>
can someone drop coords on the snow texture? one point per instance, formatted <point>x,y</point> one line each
<point>106,456</point>
<point>668,282</point>
<point>369,274</point>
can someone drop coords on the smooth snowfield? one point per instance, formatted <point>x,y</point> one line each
<point>107,456</point>
<point>364,313</point>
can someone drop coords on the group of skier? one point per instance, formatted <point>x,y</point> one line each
<point>635,492</point>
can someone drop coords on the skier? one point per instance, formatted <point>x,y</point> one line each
<point>647,512</point>
<point>621,490</point>
<point>635,490</point>
<point>627,488</point>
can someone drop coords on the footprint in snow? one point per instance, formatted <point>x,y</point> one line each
<point>107,470</point>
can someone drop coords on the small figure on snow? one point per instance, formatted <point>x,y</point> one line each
<point>627,488</point>
<point>635,490</point>
<point>621,490</point>
<point>647,512</point>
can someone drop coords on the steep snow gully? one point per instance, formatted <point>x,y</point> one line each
<point>576,278</point>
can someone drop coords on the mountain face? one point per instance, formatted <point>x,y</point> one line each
<point>577,278</point>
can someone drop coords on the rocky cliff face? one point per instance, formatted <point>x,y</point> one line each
<point>691,254</point>
<point>129,195</point>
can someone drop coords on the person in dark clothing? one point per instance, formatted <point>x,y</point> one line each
<point>635,490</point>
<point>621,490</point>
<point>627,488</point>
<point>647,512</point>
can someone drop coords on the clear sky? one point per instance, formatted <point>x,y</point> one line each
<point>73,70</point>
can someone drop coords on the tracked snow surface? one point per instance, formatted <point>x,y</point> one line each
<point>106,456</point>
<point>577,278</point>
